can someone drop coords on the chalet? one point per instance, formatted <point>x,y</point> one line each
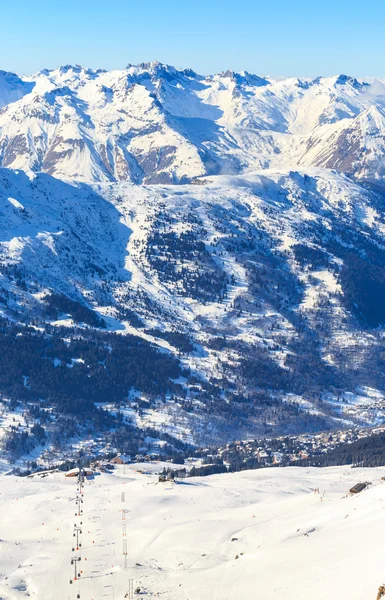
<point>262,455</point>
<point>277,458</point>
<point>154,456</point>
<point>75,472</point>
<point>120,459</point>
<point>303,454</point>
<point>356,489</point>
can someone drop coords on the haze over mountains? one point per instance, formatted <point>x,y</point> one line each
<point>231,226</point>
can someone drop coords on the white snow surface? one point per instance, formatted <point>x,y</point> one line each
<point>153,123</point>
<point>183,539</point>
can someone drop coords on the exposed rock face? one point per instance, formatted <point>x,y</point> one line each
<point>153,123</point>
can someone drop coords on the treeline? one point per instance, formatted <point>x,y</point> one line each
<point>57,304</point>
<point>366,452</point>
<point>362,275</point>
<point>205,470</point>
<point>184,260</point>
<point>304,370</point>
<point>310,256</point>
<point>363,287</point>
<point>91,367</point>
<point>179,340</point>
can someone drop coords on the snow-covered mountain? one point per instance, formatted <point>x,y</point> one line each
<point>266,287</point>
<point>187,261</point>
<point>355,147</point>
<point>12,88</point>
<point>232,227</point>
<point>152,123</point>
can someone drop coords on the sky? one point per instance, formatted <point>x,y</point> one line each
<point>272,37</point>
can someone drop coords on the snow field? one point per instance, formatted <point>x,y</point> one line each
<point>257,534</point>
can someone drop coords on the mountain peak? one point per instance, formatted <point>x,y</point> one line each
<point>72,71</point>
<point>373,114</point>
<point>13,88</point>
<point>347,80</point>
<point>244,78</point>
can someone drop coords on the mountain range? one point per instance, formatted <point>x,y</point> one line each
<point>230,229</point>
<point>152,123</point>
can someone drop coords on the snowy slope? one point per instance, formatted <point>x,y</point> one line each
<point>262,534</point>
<point>247,269</point>
<point>355,146</point>
<point>12,88</point>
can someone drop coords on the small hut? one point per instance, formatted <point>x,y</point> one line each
<point>356,489</point>
<point>120,459</point>
<point>75,472</point>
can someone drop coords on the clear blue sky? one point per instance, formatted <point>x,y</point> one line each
<point>274,37</point>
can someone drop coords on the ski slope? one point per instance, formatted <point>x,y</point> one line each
<point>258,534</point>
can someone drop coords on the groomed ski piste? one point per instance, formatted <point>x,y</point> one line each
<point>290,533</point>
